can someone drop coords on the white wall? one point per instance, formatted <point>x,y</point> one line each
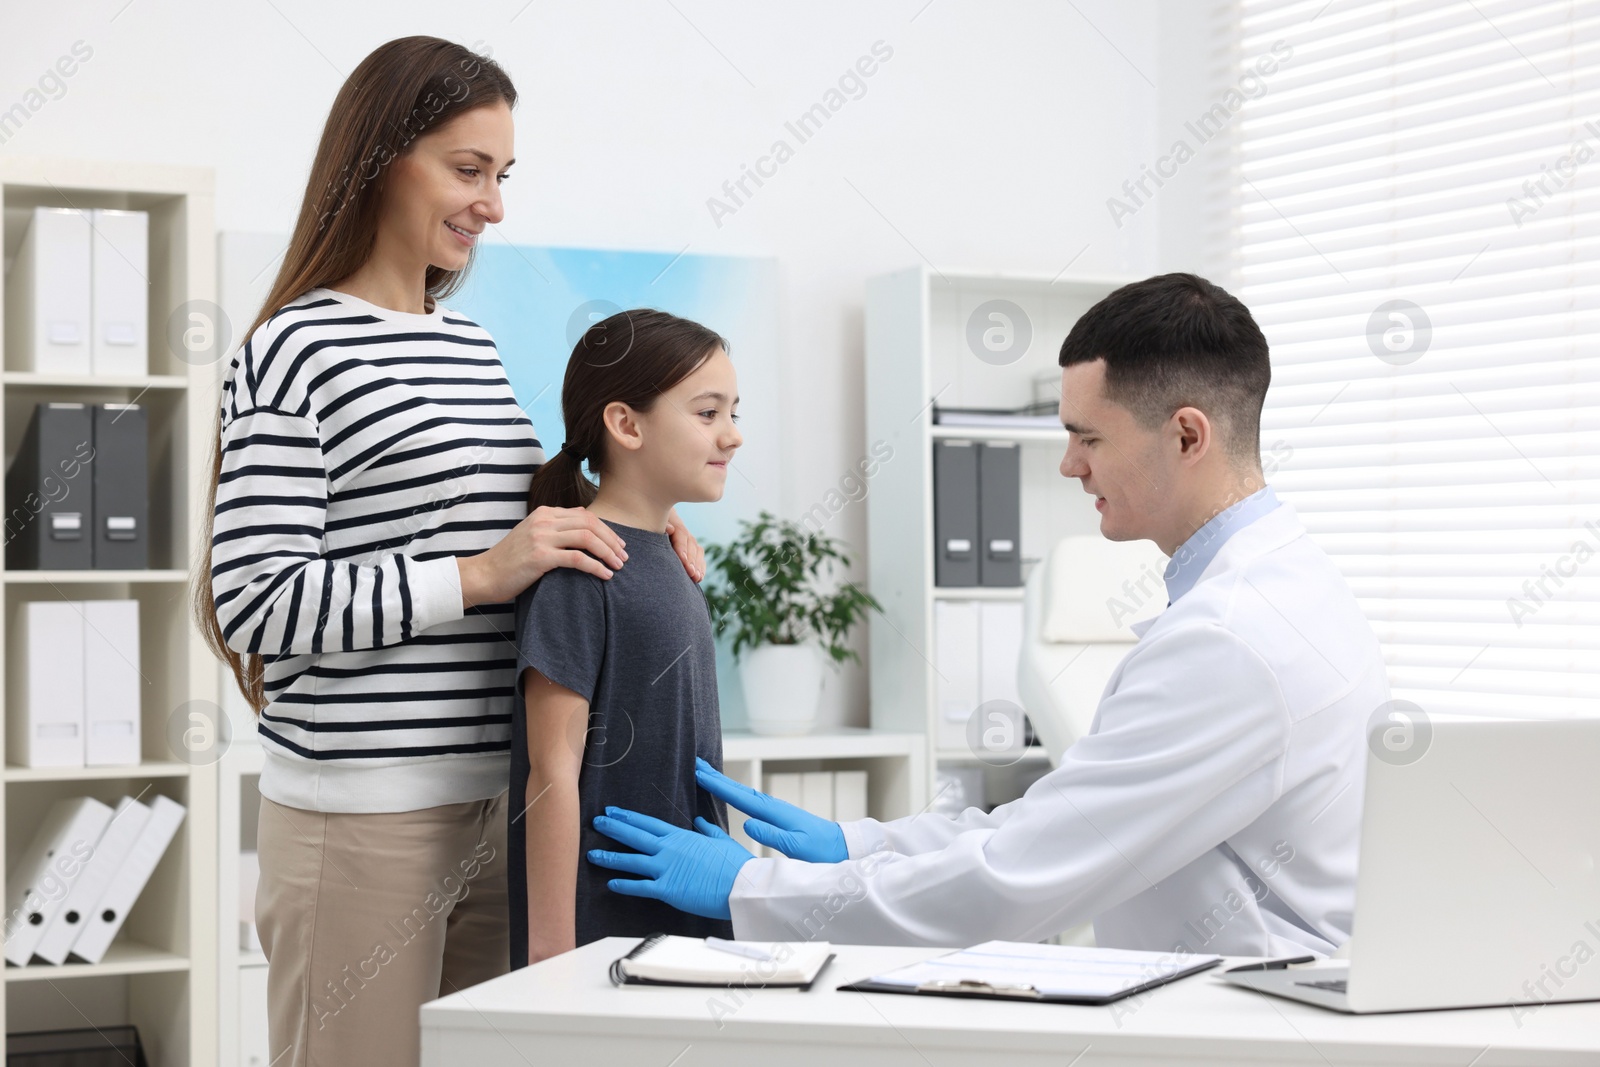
<point>990,140</point>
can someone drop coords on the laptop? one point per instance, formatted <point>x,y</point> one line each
<point>1478,884</point>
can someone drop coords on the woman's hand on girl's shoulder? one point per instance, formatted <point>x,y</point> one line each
<point>687,548</point>
<point>548,538</point>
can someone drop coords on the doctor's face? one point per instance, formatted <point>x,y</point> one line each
<point>1114,458</point>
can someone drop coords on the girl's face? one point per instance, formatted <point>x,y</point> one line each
<point>691,433</point>
<point>441,195</point>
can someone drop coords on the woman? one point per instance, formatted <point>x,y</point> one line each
<point>368,533</point>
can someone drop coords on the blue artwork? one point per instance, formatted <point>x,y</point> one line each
<point>535,302</point>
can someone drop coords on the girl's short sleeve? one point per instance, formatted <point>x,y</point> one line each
<point>562,632</point>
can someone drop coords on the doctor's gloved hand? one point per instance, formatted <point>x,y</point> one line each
<point>694,872</point>
<point>793,831</point>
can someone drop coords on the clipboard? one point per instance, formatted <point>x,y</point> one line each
<point>1026,992</point>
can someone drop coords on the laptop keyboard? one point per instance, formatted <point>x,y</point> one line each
<point>1333,985</point>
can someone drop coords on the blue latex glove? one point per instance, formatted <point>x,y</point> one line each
<point>777,824</point>
<point>694,872</point>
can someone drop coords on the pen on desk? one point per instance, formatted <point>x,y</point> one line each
<point>724,945</point>
<point>1272,965</point>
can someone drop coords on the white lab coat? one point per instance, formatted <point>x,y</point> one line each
<point>1214,806</point>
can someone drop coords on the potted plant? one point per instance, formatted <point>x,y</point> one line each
<point>770,595</point>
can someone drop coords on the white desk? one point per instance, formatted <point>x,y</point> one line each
<point>565,1011</point>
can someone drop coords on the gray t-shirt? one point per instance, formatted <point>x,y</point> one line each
<point>639,647</point>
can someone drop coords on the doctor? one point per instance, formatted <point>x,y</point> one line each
<point>1215,803</point>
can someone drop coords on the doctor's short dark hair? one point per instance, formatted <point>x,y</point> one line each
<point>1174,341</point>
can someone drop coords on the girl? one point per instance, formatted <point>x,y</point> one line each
<point>366,530</point>
<point>617,689</point>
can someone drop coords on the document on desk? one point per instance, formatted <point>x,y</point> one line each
<point>1056,973</point>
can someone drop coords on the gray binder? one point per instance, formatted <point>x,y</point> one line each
<point>121,487</point>
<point>955,513</point>
<point>49,491</point>
<point>1000,513</point>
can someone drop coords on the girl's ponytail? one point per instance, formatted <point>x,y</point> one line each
<point>560,482</point>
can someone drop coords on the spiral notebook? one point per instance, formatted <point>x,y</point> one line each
<point>667,959</point>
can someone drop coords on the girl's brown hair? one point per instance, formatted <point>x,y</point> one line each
<point>632,358</point>
<point>405,88</point>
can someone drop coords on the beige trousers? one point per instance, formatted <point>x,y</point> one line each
<point>364,917</point>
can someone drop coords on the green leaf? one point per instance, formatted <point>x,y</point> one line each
<point>767,587</point>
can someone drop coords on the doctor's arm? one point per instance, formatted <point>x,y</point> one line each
<point>1174,769</point>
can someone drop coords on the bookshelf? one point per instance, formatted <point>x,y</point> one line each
<point>160,973</point>
<point>925,343</point>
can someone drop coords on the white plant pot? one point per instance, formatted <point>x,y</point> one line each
<point>782,688</point>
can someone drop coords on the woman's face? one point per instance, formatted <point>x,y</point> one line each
<point>443,193</point>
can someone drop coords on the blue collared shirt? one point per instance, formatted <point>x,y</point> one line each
<point>1195,554</point>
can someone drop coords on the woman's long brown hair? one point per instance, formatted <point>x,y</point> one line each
<point>405,88</point>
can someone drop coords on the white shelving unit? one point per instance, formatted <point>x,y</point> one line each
<point>242,989</point>
<point>918,350</point>
<point>896,766</point>
<point>160,974</point>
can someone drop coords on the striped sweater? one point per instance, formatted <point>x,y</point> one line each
<point>363,450</point>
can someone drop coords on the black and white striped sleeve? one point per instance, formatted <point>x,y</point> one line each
<point>275,591</point>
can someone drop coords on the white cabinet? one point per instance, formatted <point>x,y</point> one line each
<point>975,341</point>
<point>160,972</point>
<point>252,1023</point>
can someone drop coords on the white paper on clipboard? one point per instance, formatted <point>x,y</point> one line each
<point>1052,970</point>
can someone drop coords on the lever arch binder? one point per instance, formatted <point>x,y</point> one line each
<point>127,823</point>
<point>159,829</point>
<point>38,884</point>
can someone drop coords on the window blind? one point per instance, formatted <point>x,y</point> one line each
<point>1410,206</point>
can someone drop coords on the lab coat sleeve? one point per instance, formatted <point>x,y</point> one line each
<point>1189,750</point>
<point>915,834</point>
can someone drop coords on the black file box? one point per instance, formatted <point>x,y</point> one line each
<point>50,491</point>
<point>121,471</point>
<point>105,1046</point>
<point>1000,513</point>
<point>955,513</point>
